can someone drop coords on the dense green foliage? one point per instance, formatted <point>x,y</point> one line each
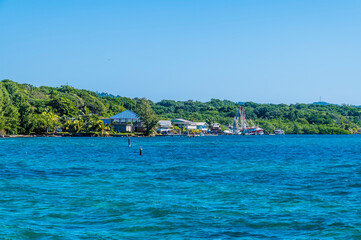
<point>294,118</point>
<point>25,109</point>
<point>147,115</point>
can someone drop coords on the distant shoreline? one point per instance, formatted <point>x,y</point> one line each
<point>137,136</point>
<point>43,110</point>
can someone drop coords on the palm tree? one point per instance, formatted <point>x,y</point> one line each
<point>78,126</point>
<point>91,123</point>
<point>101,127</point>
<point>52,121</point>
<point>69,125</point>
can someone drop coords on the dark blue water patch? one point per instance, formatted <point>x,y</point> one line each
<point>225,187</point>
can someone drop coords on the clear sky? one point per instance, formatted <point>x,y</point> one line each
<point>242,50</point>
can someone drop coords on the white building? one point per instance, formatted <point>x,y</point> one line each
<point>165,127</point>
<point>188,125</point>
<point>203,126</point>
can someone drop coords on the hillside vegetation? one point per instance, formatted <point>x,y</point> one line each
<point>294,118</point>
<point>25,109</point>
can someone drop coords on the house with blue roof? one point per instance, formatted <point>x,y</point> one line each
<point>126,121</point>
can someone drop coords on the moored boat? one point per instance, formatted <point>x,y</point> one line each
<point>241,124</point>
<point>279,132</point>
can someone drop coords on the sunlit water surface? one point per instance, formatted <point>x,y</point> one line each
<point>225,187</point>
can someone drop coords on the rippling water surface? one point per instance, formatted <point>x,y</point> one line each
<point>225,187</point>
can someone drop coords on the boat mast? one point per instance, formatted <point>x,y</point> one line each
<point>243,119</point>
<point>236,121</point>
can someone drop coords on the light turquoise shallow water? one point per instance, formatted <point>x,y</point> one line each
<point>225,187</point>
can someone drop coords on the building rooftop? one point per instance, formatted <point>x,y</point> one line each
<point>127,114</point>
<point>180,120</point>
<point>165,122</point>
<point>200,123</point>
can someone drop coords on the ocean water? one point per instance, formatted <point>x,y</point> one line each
<point>225,187</point>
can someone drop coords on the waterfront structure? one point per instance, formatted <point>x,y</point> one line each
<point>106,120</point>
<point>216,128</point>
<point>188,125</point>
<point>126,121</point>
<point>202,126</point>
<point>165,127</point>
<point>279,132</point>
<point>179,122</point>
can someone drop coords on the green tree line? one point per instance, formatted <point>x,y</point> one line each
<point>294,118</point>
<point>26,109</point>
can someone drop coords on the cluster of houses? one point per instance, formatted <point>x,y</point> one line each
<point>129,121</point>
<point>167,127</point>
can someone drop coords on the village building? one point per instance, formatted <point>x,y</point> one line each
<point>165,127</point>
<point>202,126</point>
<point>179,122</point>
<point>106,120</point>
<point>216,128</point>
<point>126,121</point>
<point>188,125</point>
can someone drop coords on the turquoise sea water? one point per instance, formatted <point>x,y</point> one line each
<point>225,187</point>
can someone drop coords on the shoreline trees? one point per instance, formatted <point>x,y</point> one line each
<point>25,109</point>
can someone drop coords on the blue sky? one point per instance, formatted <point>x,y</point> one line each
<point>250,50</point>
